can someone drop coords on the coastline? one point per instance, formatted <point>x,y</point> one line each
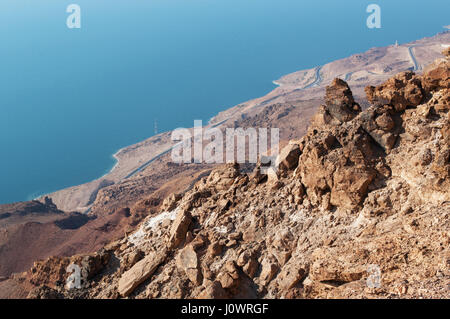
<point>133,159</point>
<point>277,83</point>
<point>116,164</point>
<point>46,194</point>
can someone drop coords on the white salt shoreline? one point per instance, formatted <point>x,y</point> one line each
<point>277,83</point>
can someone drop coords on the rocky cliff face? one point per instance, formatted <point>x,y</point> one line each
<point>360,207</point>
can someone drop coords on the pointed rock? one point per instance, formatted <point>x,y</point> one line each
<point>179,228</point>
<point>339,101</point>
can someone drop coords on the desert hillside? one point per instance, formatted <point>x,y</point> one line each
<point>359,207</point>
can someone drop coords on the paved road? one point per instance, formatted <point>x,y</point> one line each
<point>316,82</point>
<point>318,79</point>
<point>140,168</point>
<point>348,76</point>
<point>417,66</point>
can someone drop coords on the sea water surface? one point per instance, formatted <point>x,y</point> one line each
<point>70,98</point>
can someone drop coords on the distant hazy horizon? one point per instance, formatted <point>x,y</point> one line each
<point>70,98</point>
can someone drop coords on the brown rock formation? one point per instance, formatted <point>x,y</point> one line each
<point>339,101</point>
<point>139,273</point>
<point>361,209</point>
<point>179,228</point>
<point>401,91</point>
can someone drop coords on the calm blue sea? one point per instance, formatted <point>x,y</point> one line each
<point>70,98</point>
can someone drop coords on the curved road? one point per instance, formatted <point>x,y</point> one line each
<point>316,82</point>
<point>417,66</point>
<point>318,79</point>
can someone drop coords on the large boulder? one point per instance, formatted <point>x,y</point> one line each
<point>229,277</point>
<point>269,268</point>
<point>380,124</point>
<point>337,267</point>
<point>140,272</point>
<point>179,228</point>
<point>212,290</point>
<point>187,261</point>
<point>350,185</point>
<point>291,274</point>
<point>437,78</point>
<point>288,157</point>
<point>248,263</point>
<point>338,161</point>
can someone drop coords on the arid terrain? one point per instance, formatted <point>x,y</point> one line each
<point>363,180</point>
<point>359,70</point>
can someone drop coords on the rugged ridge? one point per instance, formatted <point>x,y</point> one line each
<point>362,190</point>
<point>145,175</point>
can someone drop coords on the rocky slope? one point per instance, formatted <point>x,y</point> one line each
<point>33,230</point>
<point>358,208</point>
<point>36,231</point>
<point>144,175</point>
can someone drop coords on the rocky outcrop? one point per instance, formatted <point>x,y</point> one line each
<point>339,163</point>
<point>288,157</point>
<point>437,76</point>
<point>179,228</point>
<point>340,102</point>
<point>359,209</point>
<point>401,91</point>
<point>54,271</point>
<point>140,272</point>
<point>380,123</point>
